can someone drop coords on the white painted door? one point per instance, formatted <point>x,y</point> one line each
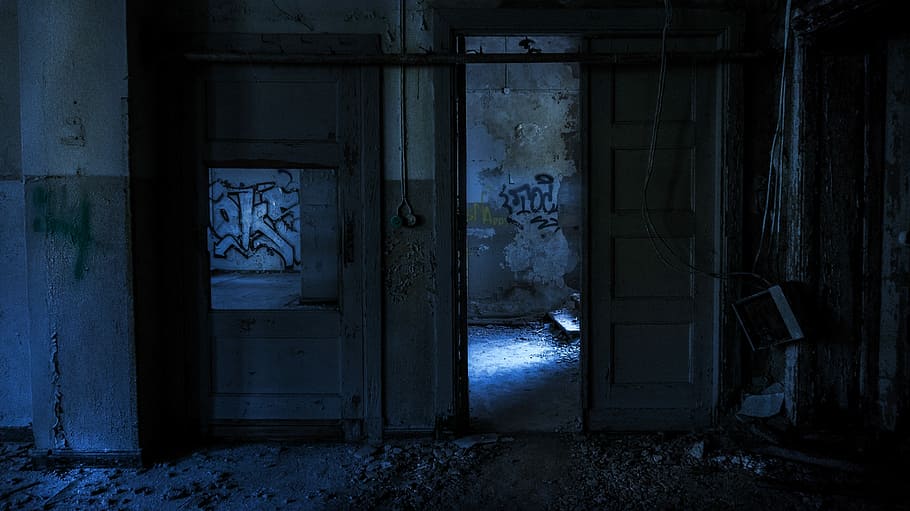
<point>652,326</point>
<point>292,163</point>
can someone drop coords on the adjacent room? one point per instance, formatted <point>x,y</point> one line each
<point>524,236</point>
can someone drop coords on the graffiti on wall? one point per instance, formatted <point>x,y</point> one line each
<point>254,226</point>
<point>480,213</point>
<point>55,215</point>
<point>535,200</point>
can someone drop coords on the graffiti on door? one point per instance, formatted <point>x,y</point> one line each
<point>254,219</point>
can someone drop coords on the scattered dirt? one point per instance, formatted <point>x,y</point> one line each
<point>717,469</point>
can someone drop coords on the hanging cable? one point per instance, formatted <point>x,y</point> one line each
<point>662,248</point>
<point>774,191</point>
<point>404,214</point>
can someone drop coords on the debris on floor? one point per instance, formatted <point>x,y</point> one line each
<point>768,403</point>
<point>711,469</point>
<point>567,322</point>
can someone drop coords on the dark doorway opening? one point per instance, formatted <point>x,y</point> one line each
<point>523,199</point>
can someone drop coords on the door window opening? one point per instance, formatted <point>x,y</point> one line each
<point>273,238</point>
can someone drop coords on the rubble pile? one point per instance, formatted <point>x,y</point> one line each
<point>417,475</point>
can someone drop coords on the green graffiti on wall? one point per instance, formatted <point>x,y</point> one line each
<point>482,214</point>
<point>54,217</point>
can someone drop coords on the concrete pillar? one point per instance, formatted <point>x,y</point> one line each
<point>73,72</point>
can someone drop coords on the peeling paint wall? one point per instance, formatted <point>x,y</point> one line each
<point>894,345</point>
<point>73,74</point>
<point>15,380</point>
<point>523,181</point>
<point>844,169</point>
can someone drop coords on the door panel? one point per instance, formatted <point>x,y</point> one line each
<point>290,190</point>
<point>652,323</point>
<point>245,110</point>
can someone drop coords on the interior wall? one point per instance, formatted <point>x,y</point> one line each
<point>524,199</point>
<point>15,377</point>
<point>894,346</point>
<point>415,341</point>
<point>412,271</point>
<point>74,219</point>
<point>409,254</point>
<point>839,181</point>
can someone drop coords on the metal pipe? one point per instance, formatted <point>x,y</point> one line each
<point>432,59</point>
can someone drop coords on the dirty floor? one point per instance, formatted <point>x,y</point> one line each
<point>564,471</point>
<point>523,378</point>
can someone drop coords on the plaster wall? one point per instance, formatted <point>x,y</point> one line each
<point>523,182</point>
<point>10,161</point>
<point>15,381</point>
<point>73,74</point>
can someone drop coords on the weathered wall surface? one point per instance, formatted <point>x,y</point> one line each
<point>523,182</point>
<point>10,166</point>
<point>842,172</point>
<point>412,275</point>
<point>73,73</point>
<point>894,352</point>
<point>15,381</point>
<point>409,254</point>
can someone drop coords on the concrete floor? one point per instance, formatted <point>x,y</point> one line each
<point>553,472</point>
<point>255,291</point>
<point>523,379</point>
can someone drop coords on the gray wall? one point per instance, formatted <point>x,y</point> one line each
<point>523,184</point>
<point>73,74</point>
<point>15,381</point>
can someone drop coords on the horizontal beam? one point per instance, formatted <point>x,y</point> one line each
<point>430,59</point>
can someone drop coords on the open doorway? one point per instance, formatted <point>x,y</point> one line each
<point>524,205</point>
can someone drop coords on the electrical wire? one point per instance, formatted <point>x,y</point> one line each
<point>404,107</point>
<point>773,205</point>
<point>656,239</point>
<point>405,213</point>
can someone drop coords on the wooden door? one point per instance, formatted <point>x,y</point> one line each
<point>292,164</point>
<point>652,325</point>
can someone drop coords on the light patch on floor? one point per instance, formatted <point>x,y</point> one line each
<point>523,379</point>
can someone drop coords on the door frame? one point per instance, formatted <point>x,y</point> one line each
<point>366,158</point>
<point>451,321</point>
